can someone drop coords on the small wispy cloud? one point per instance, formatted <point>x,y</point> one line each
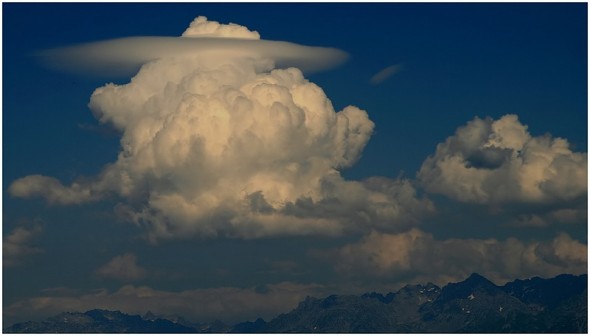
<point>123,267</point>
<point>17,244</point>
<point>384,74</point>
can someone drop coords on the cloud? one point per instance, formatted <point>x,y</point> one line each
<point>52,190</point>
<point>17,245</point>
<point>123,268</point>
<point>498,161</point>
<point>201,27</point>
<point>214,146</point>
<point>417,257</point>
<point>561,216</point>
<point>231,304</point>
<point>212,42</point>
<point>385,73</point>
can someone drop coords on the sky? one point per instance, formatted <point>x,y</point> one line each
<point>278,151</point>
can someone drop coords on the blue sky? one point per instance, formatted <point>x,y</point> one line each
<point>457,61</point>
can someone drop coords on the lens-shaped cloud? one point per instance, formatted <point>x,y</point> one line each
<point>385,74</point>
<point>124,56</point>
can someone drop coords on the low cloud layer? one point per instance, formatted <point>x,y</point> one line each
<point>199,305</point>
<point>417,257</point>
<point>497,161</point>
<point>214,146</point>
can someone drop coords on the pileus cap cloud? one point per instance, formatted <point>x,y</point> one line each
<point>203,38</point>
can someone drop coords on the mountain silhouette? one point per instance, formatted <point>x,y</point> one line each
<point>475,305</point>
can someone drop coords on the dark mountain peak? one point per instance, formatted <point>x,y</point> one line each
<point>379,297</point>
<point>475,305</point>
<point>418,289</point>
<point>477,278</point>
<point>410,290</point>
<point>99,311</point>
<point>249,327</point>
<point>330,301</point>
<point>105,314</point>
<point>71,317</point>
<point>571,277</point>
<point>431,285</point>
<point>99,321</point>
<point>149,316</point>
<point>416,295</point>
<point>309,301</point>
<point>468,287</point>
<point>547,292</point>
<point>217,327</point>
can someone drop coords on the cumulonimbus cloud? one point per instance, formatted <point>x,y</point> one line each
<point>216,145</point>
<point>498,161</point>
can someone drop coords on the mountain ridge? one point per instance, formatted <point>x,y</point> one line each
<point>473,305</point>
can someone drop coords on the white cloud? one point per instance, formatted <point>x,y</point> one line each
<point>230,304</point>
<point>216,146</point>
<point>123,268</point>
<point>497,161</point>
<point>385,73</point>
<point>52,190</point>
<point>417,257</point>
<point>17,244</point>
<point>201,27</point>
